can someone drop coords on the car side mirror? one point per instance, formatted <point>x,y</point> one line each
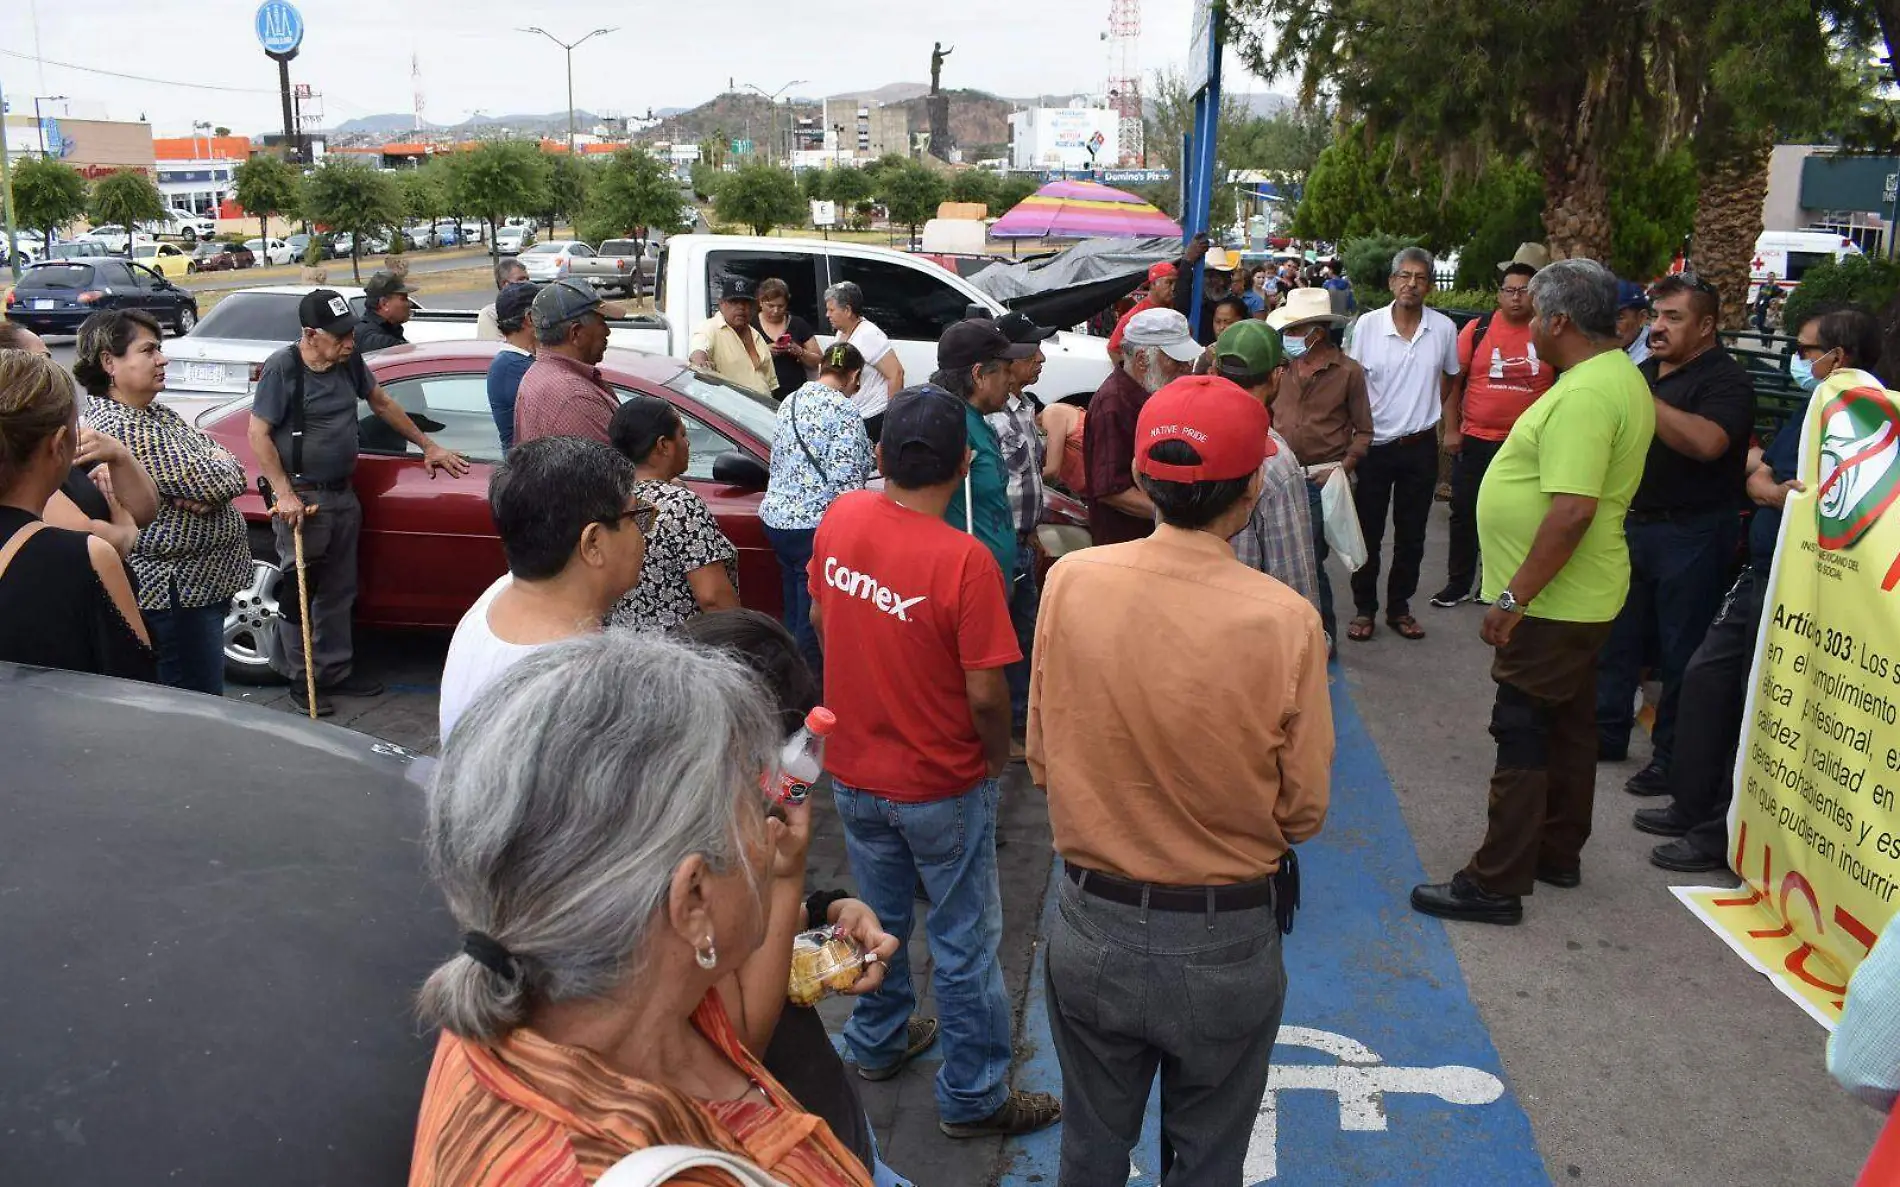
<point>735,468</point>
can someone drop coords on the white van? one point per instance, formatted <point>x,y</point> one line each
<point>1789,254</point>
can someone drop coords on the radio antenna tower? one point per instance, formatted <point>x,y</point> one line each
<point>1124,83</point>
<point>415,76</point>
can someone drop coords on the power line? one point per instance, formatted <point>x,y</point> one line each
<point>163,82</point>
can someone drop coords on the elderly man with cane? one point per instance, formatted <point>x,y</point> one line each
<point>304,431</point>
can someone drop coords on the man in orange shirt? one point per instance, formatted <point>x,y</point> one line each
<point>1499,376</point>
<point>1180,724</point>
<point>1161,280</point>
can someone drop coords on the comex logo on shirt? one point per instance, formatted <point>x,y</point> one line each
<point>863,585</point>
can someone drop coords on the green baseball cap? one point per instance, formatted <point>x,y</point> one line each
<point>1256,346</point>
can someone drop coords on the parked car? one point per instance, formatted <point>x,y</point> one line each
<point>276,252</point>
<point>373,244</point>
<point>510,241</point>
<point>29,247</point>
<point>181,224</point>
<point>166,259</point>
<point>115,237</point>
<point>55,296</point>
<point>474,231</point>
<point>642,257</point>
<point>448,233</point>
<point>222,257</point>
<point>298,244</point>
<point>79,249</point>
<point>185,951</point>
<point>556,258</point>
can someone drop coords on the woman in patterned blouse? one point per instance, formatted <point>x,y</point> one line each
<point>195,554</point>
<point>690,565</point>
<point>630,897</point>
<point>819,451</point>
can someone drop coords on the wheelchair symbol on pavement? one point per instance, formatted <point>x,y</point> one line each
<point>1361,1081</point>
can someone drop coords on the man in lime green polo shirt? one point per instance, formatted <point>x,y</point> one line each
<point>1556,570</point>
<point>973,359</point>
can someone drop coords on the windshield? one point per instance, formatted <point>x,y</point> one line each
<point>74,251</point>
<point>58,276</point>
<point>754,413</point>
<point>260,317</point>
<point>542,249</point>
<point>617,247</point>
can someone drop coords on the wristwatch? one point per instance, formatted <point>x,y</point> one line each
<point>1507,602</point>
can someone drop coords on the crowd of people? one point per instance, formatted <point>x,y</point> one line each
<point>602,822</point>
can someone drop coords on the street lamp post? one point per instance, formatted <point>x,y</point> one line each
<point>568,47</point>
<point>771,106</point>
<point>40,119</point>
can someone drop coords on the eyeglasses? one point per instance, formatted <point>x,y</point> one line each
<point>644,516</point>
<point>1412,277</point>
<point>1514,290</point>
<point>1812,350</point>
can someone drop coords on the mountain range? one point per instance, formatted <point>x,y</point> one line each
<point>395,123</point>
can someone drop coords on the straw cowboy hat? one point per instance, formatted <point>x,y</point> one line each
<point>1534,254</point>
<point>1304,306</point>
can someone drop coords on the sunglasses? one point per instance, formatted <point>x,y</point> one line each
<point>644,515</point>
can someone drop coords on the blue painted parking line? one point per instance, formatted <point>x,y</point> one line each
<point>1383,1073</point>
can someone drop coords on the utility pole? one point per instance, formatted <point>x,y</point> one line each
<point>771,111</point>
<point>6,194</point>
<point>568,47</point>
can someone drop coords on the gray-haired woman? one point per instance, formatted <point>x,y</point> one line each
<point>883,370</point>
<point>598,825</point>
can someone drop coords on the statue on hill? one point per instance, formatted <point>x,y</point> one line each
<point>937,55</point>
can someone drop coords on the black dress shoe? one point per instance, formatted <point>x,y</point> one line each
<point>299,697</point>
<point>1461,898</point>
<point>353,685</point>
<point>1561,879</point>
<point>1659,822</point>
<point>1610,752</point>
<point>1684,858</point>
<point>1651,780</point>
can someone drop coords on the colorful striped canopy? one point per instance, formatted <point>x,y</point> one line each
<point>1082,210</point>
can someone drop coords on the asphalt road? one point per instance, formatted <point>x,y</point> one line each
<point>1640,1049</point>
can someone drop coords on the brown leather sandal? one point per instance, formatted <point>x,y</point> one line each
<point>1406,626</point>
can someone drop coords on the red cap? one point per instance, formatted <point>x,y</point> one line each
<point>1159,271</point>
<point>1216,416</point>
<point>821,721</point>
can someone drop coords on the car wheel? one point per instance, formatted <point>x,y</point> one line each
<point>250,628</point>
<point>187,318</point>
<point>191,268</point>
<point>191,236</point>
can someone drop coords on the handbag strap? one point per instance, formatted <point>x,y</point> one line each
<point>653,1166</point>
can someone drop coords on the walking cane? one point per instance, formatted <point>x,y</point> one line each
<point>303,594</point>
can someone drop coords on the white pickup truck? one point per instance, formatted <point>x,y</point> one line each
<point>911,299</point>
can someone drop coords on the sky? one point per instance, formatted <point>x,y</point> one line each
<point>356,53</point>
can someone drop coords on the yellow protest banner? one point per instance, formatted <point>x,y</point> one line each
<point>1813,828</point>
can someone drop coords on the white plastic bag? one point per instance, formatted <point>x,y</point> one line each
<point>658,1164</point>
<point>1341,519</point>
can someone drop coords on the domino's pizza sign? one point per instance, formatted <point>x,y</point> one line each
<point>279,27</point>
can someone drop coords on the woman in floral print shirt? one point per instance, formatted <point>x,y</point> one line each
<point>690,566</point>
<point>194,555</point>
<point>820,450</point>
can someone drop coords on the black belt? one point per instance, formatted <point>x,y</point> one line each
<point>1409,438</point>
<point>1677,516</point>
<point>1240,896</point>
<point>340,484</point>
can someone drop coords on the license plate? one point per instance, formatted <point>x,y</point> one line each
<point>204,373</point>
<point>44,304</point>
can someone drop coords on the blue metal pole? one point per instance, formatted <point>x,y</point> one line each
<point>1201,162</point>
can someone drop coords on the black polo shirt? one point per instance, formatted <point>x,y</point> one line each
<point>1716,387</point>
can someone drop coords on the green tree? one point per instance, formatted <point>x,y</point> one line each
<point>498,178</point>
<point>705,180</point>
<point>1172,117</point>
<point>348,196</point>
<point>911,194</point>
<point>569,180</point>
<point>127,198</point>
<point>47,194</point>
<point>1853,280</point>
<point>634,195</point>
<point>974,185</point>
<point>851,188</point>
<point>760,196</point>
<point>266,186</point>
<point>425,194</point>
<point>1011,191</point>
<point>813,183</point>
<point>1360,185</point>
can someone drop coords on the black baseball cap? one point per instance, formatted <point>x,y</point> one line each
<point>1020,327</point>
<point>974,341</point>
<point>326,310</point>
<point>738,288</point>
<point>386,284</point>
<point>513,302</point>
<point>924,433</point>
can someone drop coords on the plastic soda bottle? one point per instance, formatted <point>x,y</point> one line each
<point>803,759</point>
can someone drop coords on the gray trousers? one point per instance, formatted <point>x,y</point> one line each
<point>329,553</point>
<point>1197,998</point>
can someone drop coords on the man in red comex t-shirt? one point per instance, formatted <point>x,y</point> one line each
<point>916,634</point>
<point>1499,377</point>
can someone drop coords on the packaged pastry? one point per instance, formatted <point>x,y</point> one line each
<point>825,961</point>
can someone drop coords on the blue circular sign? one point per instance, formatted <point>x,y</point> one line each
<point>279,26</point>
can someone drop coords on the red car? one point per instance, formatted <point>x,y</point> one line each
<point>429,547</point>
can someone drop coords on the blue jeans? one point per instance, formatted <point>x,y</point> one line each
<point>1679,570</point>
<point>951,845</point>
<point>1025,595</point>
<point>190,646</point>
<point>792,546</point>
<point>1320,552</point>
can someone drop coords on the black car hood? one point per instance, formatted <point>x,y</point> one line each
<point>213,919</point>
